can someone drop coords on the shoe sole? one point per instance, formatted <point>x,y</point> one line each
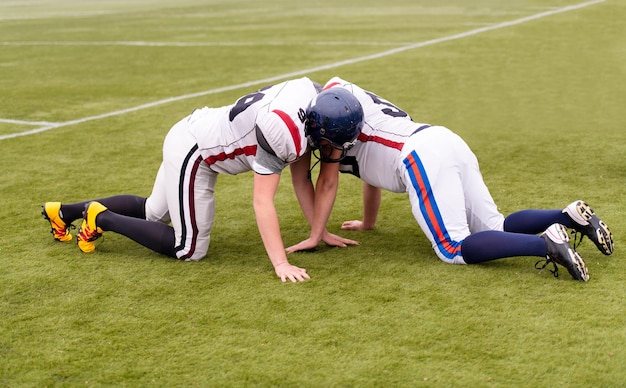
<point>579,269</point>
<point>592,226</point>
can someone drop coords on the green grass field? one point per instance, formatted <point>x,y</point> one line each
<point>538,94</point>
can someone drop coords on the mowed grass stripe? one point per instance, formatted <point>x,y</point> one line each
<point>308,71</point>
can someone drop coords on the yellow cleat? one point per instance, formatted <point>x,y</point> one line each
<point>59,229</point>
<point>89,231</point>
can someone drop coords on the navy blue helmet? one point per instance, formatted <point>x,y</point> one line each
<point>335,116</point>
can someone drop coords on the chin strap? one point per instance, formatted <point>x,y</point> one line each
<point>316,155</point>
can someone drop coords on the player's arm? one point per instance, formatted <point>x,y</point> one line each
<point>265,187</point>
<point>305,193</point>
<point>302,185</point>
<point>325,193</point>
<point>371,204</point>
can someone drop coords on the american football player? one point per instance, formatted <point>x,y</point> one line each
<point>449,198</point>
<point>261,132</point>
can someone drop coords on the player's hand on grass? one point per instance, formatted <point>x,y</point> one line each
<point>337,241</point>
<point>355,225</point>
<point>331,239</point>
<point>287,271</point>
<point>306,245</point>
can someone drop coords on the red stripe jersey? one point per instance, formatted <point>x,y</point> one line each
<point>227,135</point>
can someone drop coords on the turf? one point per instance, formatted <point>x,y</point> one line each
<point>540,102</point>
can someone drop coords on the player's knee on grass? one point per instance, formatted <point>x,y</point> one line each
<point>194,250</point>
<point>449,252</point>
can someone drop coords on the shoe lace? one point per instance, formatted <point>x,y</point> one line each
<point>543,263</point>
<point>577,238</point>
<point>89,234</point>
<point>67,228</point>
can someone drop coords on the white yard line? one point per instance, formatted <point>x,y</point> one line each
<point>10,121</point>
<point>382,54</point>
<point>195,44</point>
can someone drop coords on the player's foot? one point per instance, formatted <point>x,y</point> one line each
<point>89,231</point>
<point>59,229</point>
<point>561,252</point>
<point>589,224</point>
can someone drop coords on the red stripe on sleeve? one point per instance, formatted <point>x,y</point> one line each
<point>293,129</point>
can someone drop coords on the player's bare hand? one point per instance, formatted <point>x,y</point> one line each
<point>353,225</point>
<point>305,245</point>
<point>287,271</point>
<point>337,241</point>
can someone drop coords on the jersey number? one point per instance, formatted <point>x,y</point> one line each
<point>243,103</point>
<point>392,110</point>
<point>349,164</point>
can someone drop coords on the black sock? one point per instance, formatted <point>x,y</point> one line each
<point>151,234</point>
<point>533,221</point>
<point>492,245</point>
<point>125,204</point>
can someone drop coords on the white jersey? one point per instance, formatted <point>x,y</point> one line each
<point>227,138</point>
<point>377,156</point>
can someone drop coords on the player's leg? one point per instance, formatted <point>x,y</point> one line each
<point>147,226</point>
<point>61,216</point>
<point>447,192</point>
<point>127,215</point>
<point>192,209</point>
<point>183,194</point>
<point>156,208</point>
<point>444,206</point>
<point>443,223</point>
<point>494,244</point>
<point>553,244</point>
<point>483,214</point>
<point>126,204</point>
<point>489,241</point>
<point>435,190</point>
<point>181,183</point>
<point>154,235</point>
<point>577,215</point>
<point>189,194</point>
<point>534,221</point>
